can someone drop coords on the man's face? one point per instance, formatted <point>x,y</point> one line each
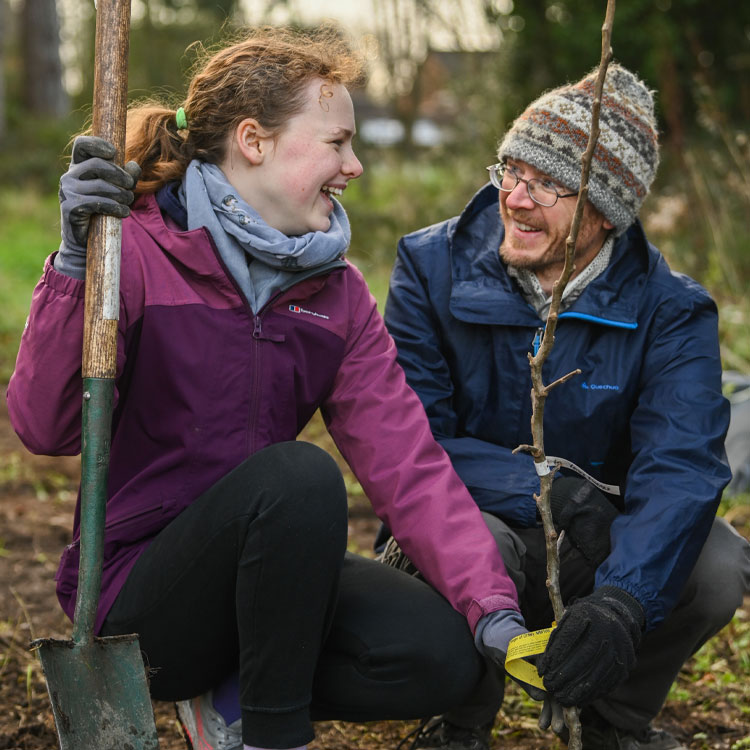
<point>535,235</point>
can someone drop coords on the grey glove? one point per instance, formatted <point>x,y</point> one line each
<point>93,184</point>
<point>493,634</point>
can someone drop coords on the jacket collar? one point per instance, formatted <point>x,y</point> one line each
<point>482,292</point>
<point>192,248</point>
<point>195,250</point>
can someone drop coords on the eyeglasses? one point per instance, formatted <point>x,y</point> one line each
<point>541,190</point>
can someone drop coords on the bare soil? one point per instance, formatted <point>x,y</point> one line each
<point>37,498</point>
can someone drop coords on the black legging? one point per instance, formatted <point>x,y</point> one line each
<point>254,574</point>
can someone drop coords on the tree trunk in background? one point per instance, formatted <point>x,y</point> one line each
<point>671,95</point>
<point>43,90</point>
<point>3,31</point>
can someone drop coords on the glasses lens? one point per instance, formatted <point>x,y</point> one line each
<point>541,194</point>
<point>507,179</point>
<point>495,178</point>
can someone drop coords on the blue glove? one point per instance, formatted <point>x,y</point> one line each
<point>93,184</point>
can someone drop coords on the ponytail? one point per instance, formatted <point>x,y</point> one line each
<point>154,141</point>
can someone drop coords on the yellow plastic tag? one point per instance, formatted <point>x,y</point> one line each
<point>528,644</point>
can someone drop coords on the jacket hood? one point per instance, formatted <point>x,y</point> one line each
<point>176,242</point>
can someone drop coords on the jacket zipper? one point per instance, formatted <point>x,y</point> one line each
<point>254,399</point>
<point>601,321</point>
<point>258,328</point>
<point>537,342</point>
<point>258,337</point>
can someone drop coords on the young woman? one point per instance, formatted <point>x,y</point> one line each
<point>239,317</point>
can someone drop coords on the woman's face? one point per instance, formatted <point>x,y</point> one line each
<point>307,161</point>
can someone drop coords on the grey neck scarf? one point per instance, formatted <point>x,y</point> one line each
<point>532,290</point>
<point>259,257</point>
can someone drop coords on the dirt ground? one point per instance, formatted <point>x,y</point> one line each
<point>37,497</point>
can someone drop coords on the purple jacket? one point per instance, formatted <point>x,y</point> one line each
<point>202,383</point>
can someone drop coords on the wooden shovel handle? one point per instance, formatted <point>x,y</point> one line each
<point>103,256</point>
<point>101,313</point>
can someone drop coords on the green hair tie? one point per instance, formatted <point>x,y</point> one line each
<point>181,119</point>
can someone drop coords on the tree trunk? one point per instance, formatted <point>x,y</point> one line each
<point>3,31</point>
<point>43,90</point>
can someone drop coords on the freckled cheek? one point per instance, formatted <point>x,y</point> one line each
<point>299,184</point>
<point>303,173</point>
<point>305,187</point>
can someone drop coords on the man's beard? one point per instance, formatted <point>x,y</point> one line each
<point>516,255</point>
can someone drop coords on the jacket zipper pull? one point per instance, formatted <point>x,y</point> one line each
<point>537,340</point>
<point>260,335</point>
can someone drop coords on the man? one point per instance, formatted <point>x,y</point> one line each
<point>649,574</point>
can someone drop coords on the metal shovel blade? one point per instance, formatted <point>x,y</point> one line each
<point>99,693</point>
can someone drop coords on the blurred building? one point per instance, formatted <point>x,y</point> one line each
<point>426,116</point>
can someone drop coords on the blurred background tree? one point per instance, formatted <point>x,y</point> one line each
<point>42,86</point>
<point>675,45</point>
<point>3,25</point>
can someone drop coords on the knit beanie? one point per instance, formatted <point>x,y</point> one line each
<point>553,131</point>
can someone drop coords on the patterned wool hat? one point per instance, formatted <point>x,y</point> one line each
<point>552,134</point>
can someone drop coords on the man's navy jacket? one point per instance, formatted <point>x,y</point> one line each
<point>646,413</point>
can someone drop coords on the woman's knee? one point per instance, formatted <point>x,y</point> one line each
<point>299,480</point>
<point>439,653</point>
<point>448,660</point>
<point>363,679</point>
<point>396,643</point>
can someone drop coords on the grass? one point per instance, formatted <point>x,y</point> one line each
<point>47,485</point>
<point>29,231</point>
<point>724,663</point>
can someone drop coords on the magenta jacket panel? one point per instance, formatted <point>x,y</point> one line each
<point>202,383</point>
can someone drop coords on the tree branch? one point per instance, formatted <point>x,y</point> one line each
<point>539,391</point>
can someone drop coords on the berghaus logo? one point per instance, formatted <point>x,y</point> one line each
<point>302,311</point>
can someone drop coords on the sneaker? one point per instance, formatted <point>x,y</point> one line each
<point>205,727</point>
<point>439,734</point>
<point>610,738</point>
<point>394,556</point>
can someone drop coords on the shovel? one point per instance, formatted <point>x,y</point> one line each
<point>97,686</point>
